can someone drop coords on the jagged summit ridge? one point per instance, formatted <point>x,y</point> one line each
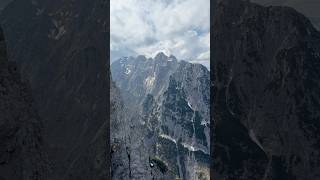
<point>150,74</point>
<point>158,57</point>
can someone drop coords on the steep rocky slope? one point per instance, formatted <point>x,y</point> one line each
<point>167,130</point>
<point>266,103</point>
<point>61,50</point>
<point>22,155</point>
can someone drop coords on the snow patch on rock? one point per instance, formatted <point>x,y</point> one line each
<point>194,148</point>
<point>189,105</point>
<point>128,71</point>
<point>168,138</point>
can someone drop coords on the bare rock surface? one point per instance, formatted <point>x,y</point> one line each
<point>22,153</point>
<point>164,127</point>
<point>60,48</point>
<point>266,103</point>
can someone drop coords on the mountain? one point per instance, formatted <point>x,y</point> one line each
<point>165,105</point>
<point>266,100</point>
<point>60,48</point>
<point>22,153</point>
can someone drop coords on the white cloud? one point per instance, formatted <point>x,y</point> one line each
<point>177,27</point>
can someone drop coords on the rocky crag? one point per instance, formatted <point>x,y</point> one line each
<point>22,153</point>
<point>60,48</point>
<point>166,104</point>
<point>266,95</point>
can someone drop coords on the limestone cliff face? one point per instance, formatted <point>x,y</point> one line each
<point>166,104</point>
<point>266,103</point>
<point>22,153</point>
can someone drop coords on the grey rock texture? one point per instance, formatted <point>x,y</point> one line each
<point>22,153</point>
<point>60,47</point>
<point>120,131</point>
<point>166,112</point>
<point>266,103</point>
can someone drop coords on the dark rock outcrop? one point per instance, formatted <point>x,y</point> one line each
<point>3,4</point>
<point>266,103</point>
<point>309,8</point>
<point>22,153</point>
<point>62,51</point>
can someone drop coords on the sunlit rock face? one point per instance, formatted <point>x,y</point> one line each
<point>267,117</point>
<point>167,108</point>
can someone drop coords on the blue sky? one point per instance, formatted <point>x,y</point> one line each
<point>175,27</point>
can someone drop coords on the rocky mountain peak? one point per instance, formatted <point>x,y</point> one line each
<point>173,58</point>
<point>141,58</point>
<point>161,56</point>
<point>169,123</point>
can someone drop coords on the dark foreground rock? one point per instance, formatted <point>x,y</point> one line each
<point>22,154</point>
<point>61,49</point>
<point>267,88</point>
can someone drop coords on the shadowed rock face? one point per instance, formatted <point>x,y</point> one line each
<point>61,50</point>
<point>309,8</point>
<point>22,156</point>
<point>165,119</point>
<point>3,4</point>
<point>267,72</point>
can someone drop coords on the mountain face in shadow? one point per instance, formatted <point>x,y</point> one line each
<point>22,153</point>
<point>266,103</point>
<point>3,4</point>
<point>309,8</point>
<point>165,119</point>
<point>60,47</point>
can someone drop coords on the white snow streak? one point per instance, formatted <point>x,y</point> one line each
<point>168,138</point>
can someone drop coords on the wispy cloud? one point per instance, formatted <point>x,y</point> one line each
<point>177,27</point>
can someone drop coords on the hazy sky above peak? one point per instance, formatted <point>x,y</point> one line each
<point>175,27</point>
